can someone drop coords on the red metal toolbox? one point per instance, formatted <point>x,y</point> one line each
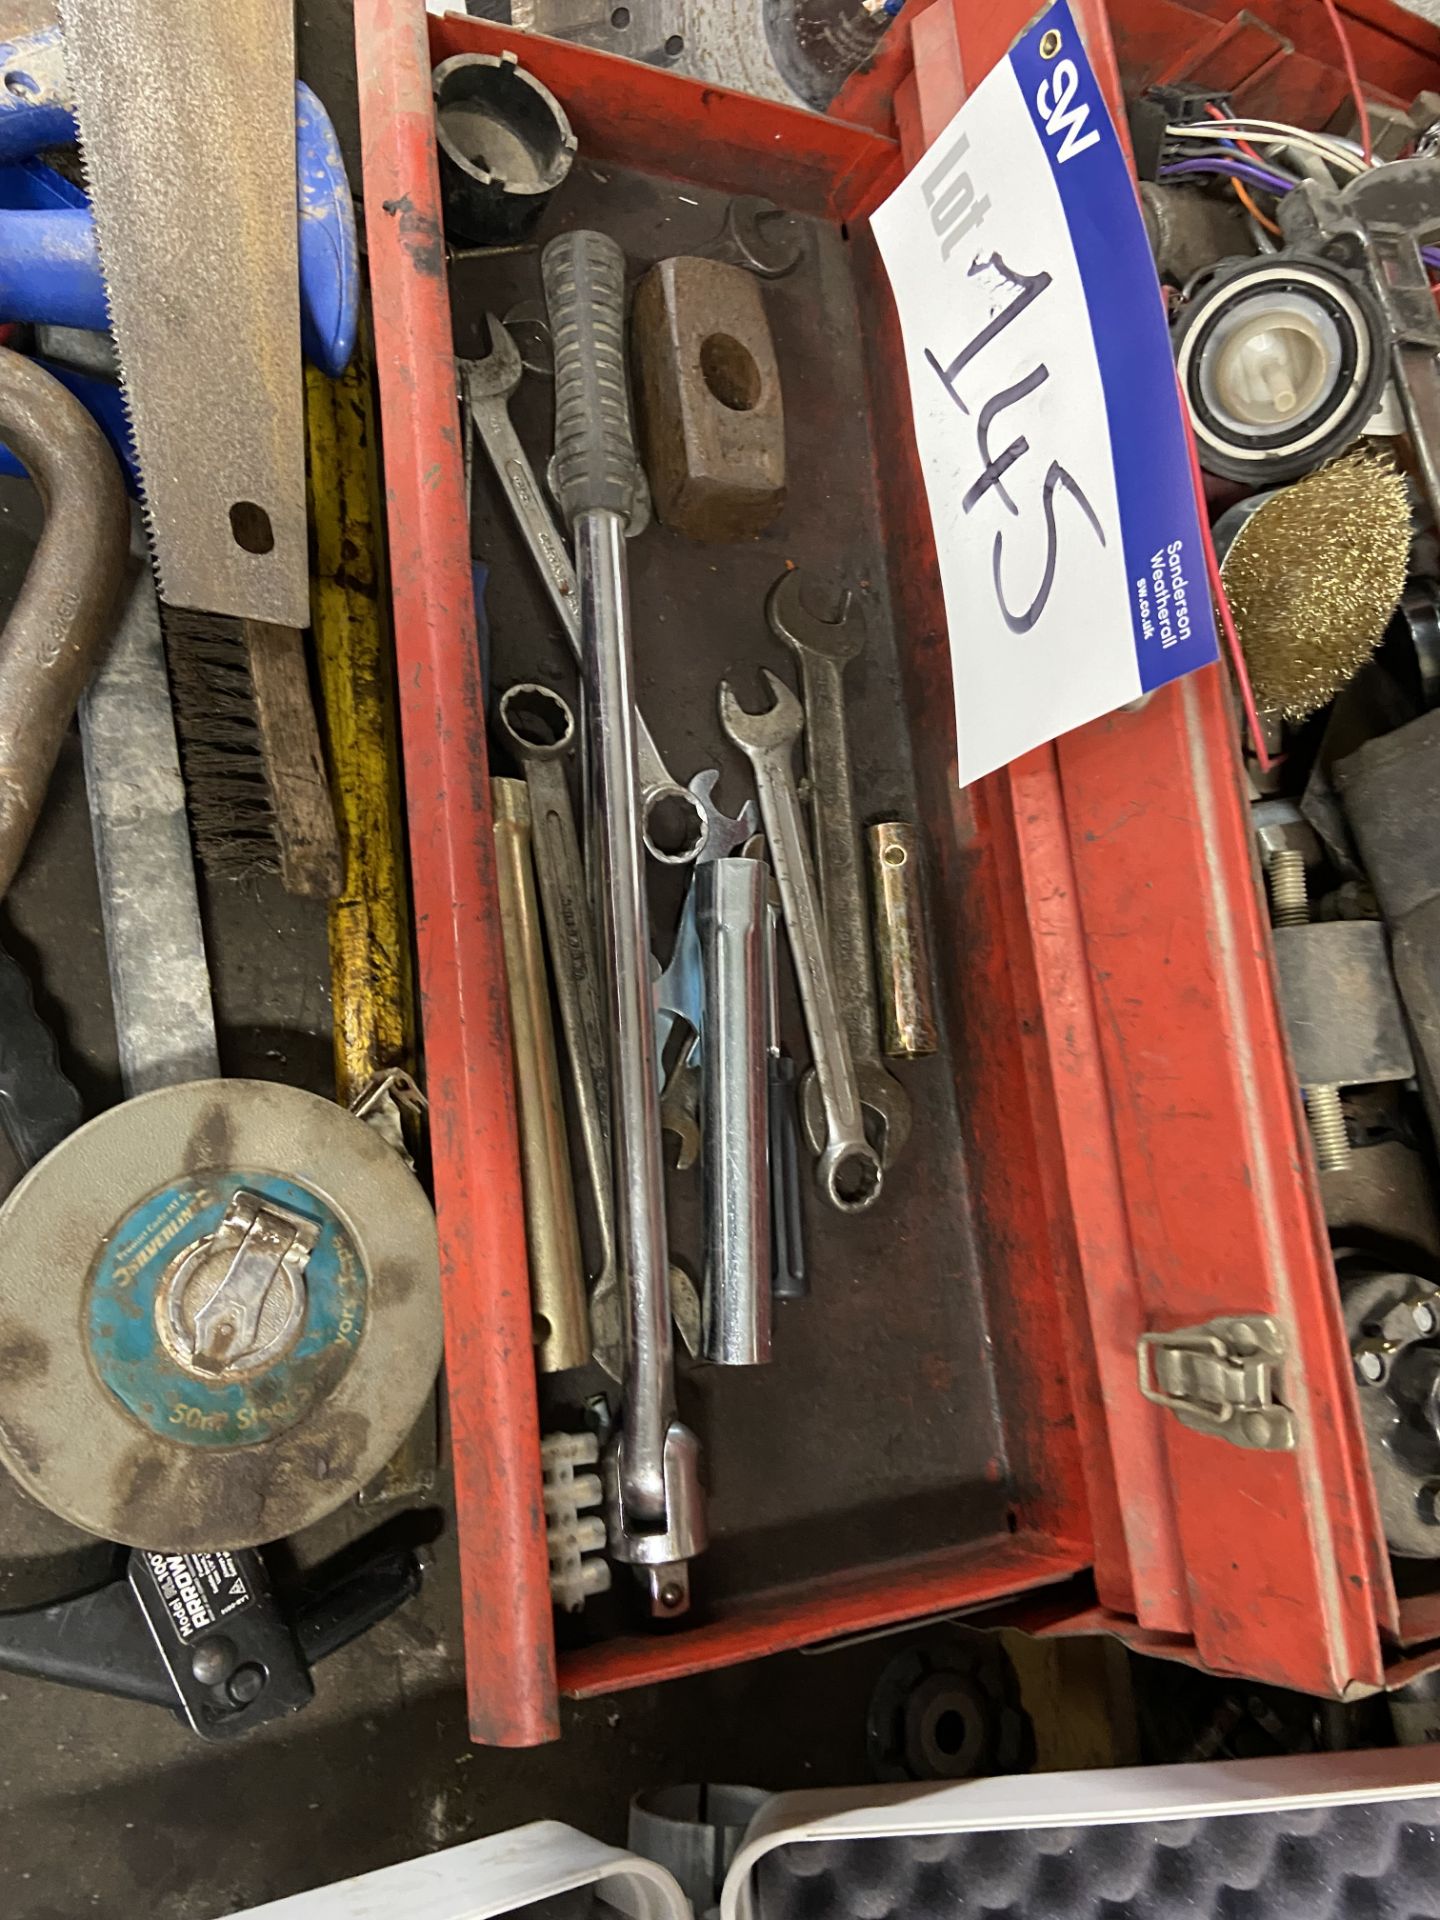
<point>1130,1157</point>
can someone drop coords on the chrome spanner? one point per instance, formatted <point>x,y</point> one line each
<point>849,1169</point>
<point>538,727</point>
<point>823,648</point>
<point>487,385</point>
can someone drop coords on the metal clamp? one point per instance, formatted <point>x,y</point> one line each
<point>228,1332</point>
<point>386,1101</point>
<point>1221,1378</point>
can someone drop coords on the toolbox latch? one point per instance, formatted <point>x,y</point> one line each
<point>1222,1378</point>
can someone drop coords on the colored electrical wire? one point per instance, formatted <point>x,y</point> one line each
<point>1229,155</point>
<point>1242,194</point>
<point>1274,134</point>
<point>1231,170</point>
<point>1250,153</point>
<point>1347,54</point>
<point>1270,132</point>
<point>1335,152</point>
<point>1227,166</point>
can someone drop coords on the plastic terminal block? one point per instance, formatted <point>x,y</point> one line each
<point>576,1537</point>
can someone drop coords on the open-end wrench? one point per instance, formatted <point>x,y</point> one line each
<point>538,727</point>
<point>674,826</point>
<point>680,1110</point>
<point>849,1169</point>
<point>766,240</point>
<point>823,647</point>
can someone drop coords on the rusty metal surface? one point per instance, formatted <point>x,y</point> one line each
<point>708,398</point>
<point>186,110</point>
<point>72,1444</point>
<point>62,615</point>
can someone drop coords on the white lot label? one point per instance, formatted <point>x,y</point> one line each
<point>1046,410</point>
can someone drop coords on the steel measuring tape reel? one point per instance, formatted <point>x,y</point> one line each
<point>219,1316</point>
<point>1283,360</point>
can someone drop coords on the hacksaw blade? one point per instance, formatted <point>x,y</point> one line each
<point>186,114</point>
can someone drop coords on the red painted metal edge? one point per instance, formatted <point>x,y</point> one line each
<point>657,121</point>
<point>1418,1620</point>
<point>1057,1457</point>
<point>1137,1557</point>
<point>1220,1188</point>
<point>1188,1173</point>
<point>803,1615</point>
<point>1397,52</point>
<point>838,169</point>
<point>1143,1571</point>
<point>1393,48</point>
<point>1218,1184</point>
<point>490,1371</point>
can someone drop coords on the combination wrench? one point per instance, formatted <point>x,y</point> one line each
<point>823,648</point>
<point>537,726</point>
<point>849,1169</point>
<point>673,824</point>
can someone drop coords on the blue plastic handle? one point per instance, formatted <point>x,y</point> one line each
<point>35,106</point>
<point>329,249</point>
<point>50,269</point>
<point>49,261</point>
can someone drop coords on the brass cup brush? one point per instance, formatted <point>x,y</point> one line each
<point>1313,575</point>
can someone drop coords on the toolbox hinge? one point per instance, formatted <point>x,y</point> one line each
<point>1222,1378</point>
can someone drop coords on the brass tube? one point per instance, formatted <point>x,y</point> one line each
<point>905,970</point>
<point>557,1280</point>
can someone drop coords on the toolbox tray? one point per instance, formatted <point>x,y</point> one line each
<point>802,1484</point>
<point>1110,1145</point>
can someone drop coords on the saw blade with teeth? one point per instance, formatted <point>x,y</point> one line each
<point>186,117</point>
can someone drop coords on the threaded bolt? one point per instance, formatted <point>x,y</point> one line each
<point>1289,899</point>
<point>1327,1128</point>
<point>1290,907</point>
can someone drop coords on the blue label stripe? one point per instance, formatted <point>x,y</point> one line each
<point>1164,557</point>
<point>181,1406</point>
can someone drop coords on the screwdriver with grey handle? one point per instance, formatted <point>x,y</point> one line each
<point>655,1503</point>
